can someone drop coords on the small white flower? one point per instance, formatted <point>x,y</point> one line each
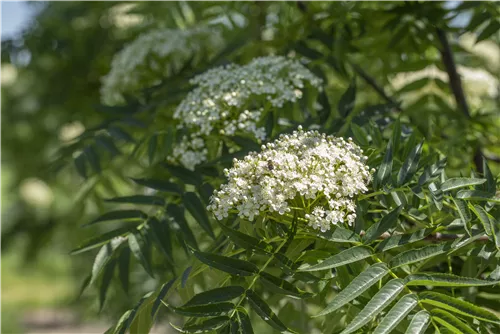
<point>317,175</point>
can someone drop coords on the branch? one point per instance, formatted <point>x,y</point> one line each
<point>456,87</point>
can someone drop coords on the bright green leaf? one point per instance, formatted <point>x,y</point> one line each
<point>397,313</point>
<point>349,255</point>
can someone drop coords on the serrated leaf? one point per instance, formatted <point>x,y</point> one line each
<point>101,239</point>
<point>457,306</point>
<point>432,171</point>
<point>265,312</point>
<point>159,185</point>
<point>278,285</point>
<point>476,195</point>
<point>419,254</point>
<point>399,240</point>
<point>138,199</point>
<point>197,209</point>
<point>460,182</point>
<point>163,292</point>
<point>339,234</point>
<point>246,241</point>
<point>451,322</point>
<point>206,326</point>
<point>141,251</point>
<point>217,295</point>
<point>437,195</point>
<point>410,165</point>
<point>347,100</point>
<point>119,215</point>
<point>227,264</point>
<point>439,279</point>
<point>385,169</point>
<point>209,310</point>
<point>350,255</point>
<point>383,225</point>
<point>360,284</point>
<point>185,175</point>
<point>464,213</point>
<point>485,220</point>
<point>396,314</point>
<point>382,298</point>
<point>123,268</point>
<point>419,323</point>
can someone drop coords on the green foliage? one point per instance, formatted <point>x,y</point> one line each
<point>423,253</point>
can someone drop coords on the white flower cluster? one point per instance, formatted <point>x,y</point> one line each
<point>232,100</point>
<point>317,175</point>
<point>155,55</point>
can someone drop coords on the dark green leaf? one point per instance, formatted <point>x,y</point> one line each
<point>202,310</point>
<point>107,275</point>
<point>206,326</point>
<point>358,285</point>
<point>265,312</point>
<point>383,225</point>
<point>123,268</point>
<point>460,182</point>
<point>244,321</point>
<point>490,181</point>
<point>483,216</point>
<point>101,239</point>
<point>458,306</point>
<point>415,85</point>
<point>382,298</point>
<point>346,102</point>
<point>396,136</point>
<point>359,134</point>
<point>397,313</point>
<point>141,250</point>
<point>217,295</point>
<point>451,322</point>
<point>93,158</point>
<point>138,199</point>
<point>227,264</point>
<point>350,255</point>
<point>80,165</point>
<point>246,241</point>
<point>102,258</point>
<point>153,142</point>
<point>489,30</point>
<point>278,285</point>
<point>108,144</point>
<point>163,292</point>
<point>161,235</point>
<point>476,195</point>
<point>385,169</point>
<point>432,171</point>
<point>402,239</point>
<point>419,254</point>
<point>410,165</point>
<point>185,175</point>
<point>439,279</point>
<point>177,213</point>
<point>159,185</point>
<point>119,133</point>
<point>198,211</point>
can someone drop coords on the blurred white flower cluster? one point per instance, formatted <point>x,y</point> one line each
<point>155,55</point>
<point>319,176</point>
<point>231,100</point>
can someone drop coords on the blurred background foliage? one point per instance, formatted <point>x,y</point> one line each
<point>57,167</point>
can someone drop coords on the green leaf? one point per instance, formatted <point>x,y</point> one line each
<point>419,254</point>
<point>107,275</point>
<point>102,258</point>
<point>143,321</point>
<point>119,133</point>
<point>438,279</point>
<point>244,321</point>
<point>206,326</point>
<point>488,31</point>
<point>108,144</point>
<point>124,322</point>
<point>457,306</point>
<point>153,142</point>
<point>410,165</point>
<point>490,181</point>
<point>460,182</point>
<point>124,267</point>
<point>397,313</point>
<point>382,298</point>
<point>437,195</point>
<point>119,215</point>
<point>209,310</point>
<point>265,312</point>
<point>185,175</point>
<point>227,264</point>
<point>359,134</point>
<point>246,241</point>
<point>159,185</point>
<point>101,239</point>
<point>419,323</point>
<point>358,285</point>
<point>399,240</point>
<point>339,234</point>
<point>451,322</point>
<point>80,165</point>
<point>415,85</point>
<point>464,213</point>
<point>385,169</point>
<point>141,251</point>
<point>383,225</point>
<point>160,234</point>
<point>278,285</point>
<point>177,213</point>
<point>217,295</point>
<point>483,216</point>
<point>185,276</point>
<point>346,102</point>
<point>349,255</point>
<point>476,195</point>
<point>198,211</point>
<point>138,199</point>
<point>93,158</point>
<point>163,292</point>
<point>432,171</point>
